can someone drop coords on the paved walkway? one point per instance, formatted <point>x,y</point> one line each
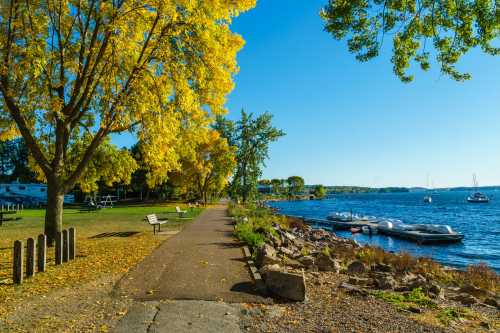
<point>202,262</point>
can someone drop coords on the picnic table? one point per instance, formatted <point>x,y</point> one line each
<point>6,212</point>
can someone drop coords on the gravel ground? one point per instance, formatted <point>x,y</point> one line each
<point>329,309</point>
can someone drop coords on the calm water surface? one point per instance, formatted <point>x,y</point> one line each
<point>480,223</point>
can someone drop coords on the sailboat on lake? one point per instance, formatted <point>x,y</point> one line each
<point>477,197</point>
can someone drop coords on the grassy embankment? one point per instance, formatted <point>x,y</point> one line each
<point>109,241</point>
<point>253,224</point>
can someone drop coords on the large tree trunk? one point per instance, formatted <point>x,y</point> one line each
<point>54,210</point>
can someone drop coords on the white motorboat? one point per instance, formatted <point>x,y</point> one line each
<point>421,233</point>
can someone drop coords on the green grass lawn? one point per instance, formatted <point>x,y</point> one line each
<point>124,239</point>
<point>88,224</point>
<point>117,229</point>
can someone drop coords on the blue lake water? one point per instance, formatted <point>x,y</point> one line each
<point>480,223</point>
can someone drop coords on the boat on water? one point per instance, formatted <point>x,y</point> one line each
<point>341,217</point>
<point>349,217</point>
<point>477,197</point>
<point>420,233</point>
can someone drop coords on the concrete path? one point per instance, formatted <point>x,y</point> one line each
<point>194,282</point>
<point>181,317</point>
<point>202,262</point>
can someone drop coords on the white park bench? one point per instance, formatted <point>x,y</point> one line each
<point>153,220</point>
<point>181,213</point>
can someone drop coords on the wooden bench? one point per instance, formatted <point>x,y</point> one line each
<point>7,212</point>
<point>153,220</point>
<point>181,213</point>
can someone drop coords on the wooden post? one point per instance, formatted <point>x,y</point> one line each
<point>42,253</point>
<point>18,262</point>
<point>30,257</point>
<point>65,246</point>
<point>59,248</point>
<point>72,243</point>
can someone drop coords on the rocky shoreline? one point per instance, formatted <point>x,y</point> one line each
<point>297,261</point>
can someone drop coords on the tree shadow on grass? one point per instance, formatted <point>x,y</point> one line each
<point>115,234</point>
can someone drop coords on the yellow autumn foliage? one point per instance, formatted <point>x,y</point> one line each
<point>73,72</point>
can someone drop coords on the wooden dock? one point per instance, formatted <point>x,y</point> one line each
<point>415,236</point>
<point>340,225</point>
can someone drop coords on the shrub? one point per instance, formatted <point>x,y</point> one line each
<point>431,269</point>
<point>403,262</point>
<point>404,301</point>
<point>246,233</point>
<point>451,314</point>
<point>326,251</point>
<point>481,276</point>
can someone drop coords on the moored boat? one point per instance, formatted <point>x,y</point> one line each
<point>421,233</point>
<point>341,217</point>
<point>477,197</point>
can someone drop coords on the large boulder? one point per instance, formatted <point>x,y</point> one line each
<point>275,240</point>
<point>435,290</point>
<point>287,285</point>
<point>266,255</point>
<point>307,261</point>
<point>386,282</point>
<point>360,281</point>
<point>381,267</point>
<point>293,263</point>
<point>475,291</point>
<point>492,302</point>
<point>319,234</point>
<point>351,289</point>
<point>356,268</point>
<point>327,264</point>
<point>265,269</point>
<point>465,299</point>
<point>411,281</point>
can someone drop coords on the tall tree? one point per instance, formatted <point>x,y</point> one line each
<point>295,185</point>
<point>276,184</point>
<point>73,72</point>
<point>207,172</point>
<point>444,29</point>
<point>251,136</point>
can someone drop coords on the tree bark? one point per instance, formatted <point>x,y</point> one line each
<point>54,210</point>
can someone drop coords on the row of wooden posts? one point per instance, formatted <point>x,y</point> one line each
<point>36,253</point>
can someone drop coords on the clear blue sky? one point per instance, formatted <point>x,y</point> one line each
<point>351,123</point>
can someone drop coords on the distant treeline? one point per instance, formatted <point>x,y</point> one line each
<point>482,188</point>
<point>360,189</point>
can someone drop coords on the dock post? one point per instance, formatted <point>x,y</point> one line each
<point>59,248</point>
<point>18,262</point>
<point>72,243</point>
<point>65,256</point>
<point>30,257</point>
<point>42,253</point>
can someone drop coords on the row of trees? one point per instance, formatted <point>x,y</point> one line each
<point>291,186</point>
